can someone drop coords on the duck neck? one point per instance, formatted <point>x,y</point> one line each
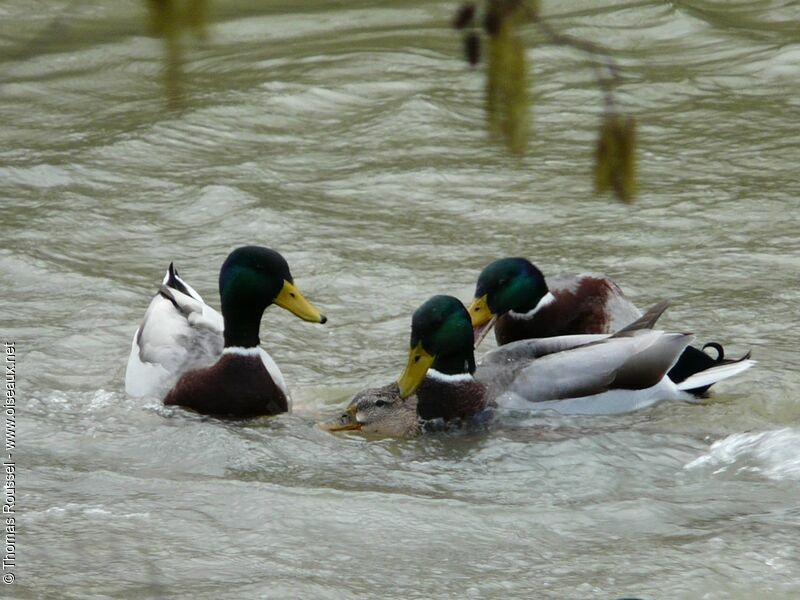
<point>459,363</point>
<point>242,324</point>
<point>532,306</point>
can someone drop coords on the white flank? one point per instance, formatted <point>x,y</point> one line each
<point>611,402</point>
<point>277,376</point>
<point>172,341</point>
<point>144,379</point>
<point>546,300</point>
<point>715,374</point>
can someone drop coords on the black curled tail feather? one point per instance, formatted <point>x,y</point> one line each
<point>721,360</point>
<point>718,347</point>
<point>174,282</point>
<point>171,280</point>
<point>694,360</point>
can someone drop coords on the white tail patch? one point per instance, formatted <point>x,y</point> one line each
<point>715,374</point>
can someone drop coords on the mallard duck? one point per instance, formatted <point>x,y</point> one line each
<point>436,385</point>
<point>194,357</point>
<point>512,296</point>
<point>577,374</point>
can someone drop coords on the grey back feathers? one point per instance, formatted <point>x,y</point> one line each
<point>637,360</point>
<point>538,370</point>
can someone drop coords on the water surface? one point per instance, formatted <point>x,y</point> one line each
<point>350,137</point>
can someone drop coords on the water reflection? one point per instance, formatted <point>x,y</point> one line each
<point>502,24</point>
<point>171,20</point>
<point>350,135</point>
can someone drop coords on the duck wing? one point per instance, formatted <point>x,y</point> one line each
<point>506,361</point>
<point>645,321</point>
<point>522,350</point>
<point>637,360</point>
<point>179,329</point>
<point>179,333</point>
<point>589,293</point>
<point>498,368</point>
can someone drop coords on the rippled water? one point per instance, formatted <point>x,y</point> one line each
<point>350,137</point>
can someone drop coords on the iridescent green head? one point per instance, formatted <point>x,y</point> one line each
<point>504,285</point>
<point>441,338</point>
<point>252,278</point>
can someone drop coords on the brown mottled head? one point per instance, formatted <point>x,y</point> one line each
<point>379,411</point>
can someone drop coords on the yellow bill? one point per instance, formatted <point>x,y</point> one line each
<point>418,364</point>
<point>479,312</point>
<point>482,318</point>
<point>292,300</point>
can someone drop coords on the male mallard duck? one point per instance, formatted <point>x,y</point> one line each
<point>437,383</point>
<point>512,295</point>
<point>578,374</point>
<point>209,362</point>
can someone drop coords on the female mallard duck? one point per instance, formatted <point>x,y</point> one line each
<point>579,374</point>
<point>437,383</point>
<point>209,362</point>
<point>512,296</point>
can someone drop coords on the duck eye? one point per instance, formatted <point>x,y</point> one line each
<point>416,358</point>
<point>380,403</point>
<point>293,295</point>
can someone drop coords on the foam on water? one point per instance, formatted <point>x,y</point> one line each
<point>353,140</point>
<point>774,454</point>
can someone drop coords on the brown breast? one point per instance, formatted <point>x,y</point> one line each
<point>450,400</point>
<point>579,308</point>
<point>235,386</point>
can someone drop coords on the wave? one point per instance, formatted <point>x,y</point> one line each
<point>773,454</point>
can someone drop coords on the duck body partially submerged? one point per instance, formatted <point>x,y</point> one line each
<point>582,375</point>
<point>576,374</point>
<point>436,406</point>
<point>512,296</point>
<point>192,356</point>
<point>437,385</point>
<point>242,383</point>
